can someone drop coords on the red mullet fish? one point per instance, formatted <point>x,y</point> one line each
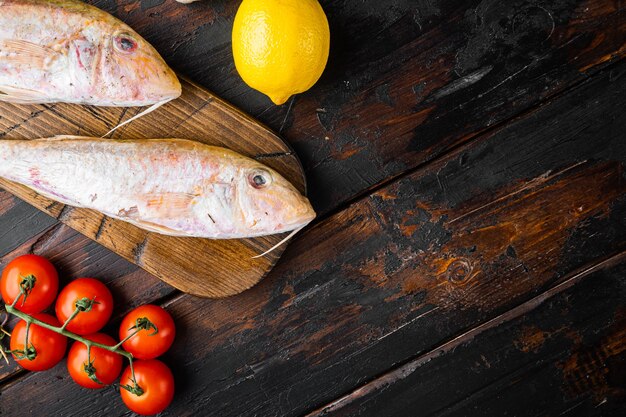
<point>170,186</point>
<point>71,52</point>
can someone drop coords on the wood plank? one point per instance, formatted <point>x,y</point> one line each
<point>18,222</point>
<point>561,353</point>
<point>75,256</point>
<point>573,36</point>
<point>493,224</point>
<point>406,80</point>
<point>204,267</point>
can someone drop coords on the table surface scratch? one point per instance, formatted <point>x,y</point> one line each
<point>467,160</point>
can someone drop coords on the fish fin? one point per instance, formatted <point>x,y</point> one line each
<point>20,52</point>
<point>172,203</point>
<point>152,227</point>
<point>20,95</point>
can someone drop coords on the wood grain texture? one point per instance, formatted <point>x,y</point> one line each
<point>562,353</point>
<point>465,239</point>
<point>18,222</point>
<point>438,252</point>
<point>406,81</point>
<point>209,268</point>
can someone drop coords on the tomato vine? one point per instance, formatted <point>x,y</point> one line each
<point>82,305</point>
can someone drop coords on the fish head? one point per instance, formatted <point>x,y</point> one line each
<point>122,67</point>
<point>268,203</point>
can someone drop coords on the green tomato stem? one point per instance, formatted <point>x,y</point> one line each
<point>26,341</point>
<point>82,305</point>
<point>126,338</point>
<point>12,310</point>
<point>16,299</point>
<point>132,373</point>
<point>74,314</point>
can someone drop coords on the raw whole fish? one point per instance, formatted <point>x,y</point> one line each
<point>171,186</point>
<point>68,51</point>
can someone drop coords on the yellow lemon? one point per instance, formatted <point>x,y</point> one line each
<point>280,46</point>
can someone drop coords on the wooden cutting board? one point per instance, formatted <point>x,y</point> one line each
<point>203,267</point>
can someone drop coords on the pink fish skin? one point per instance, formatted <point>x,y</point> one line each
<point>171,186</point>
<point>68,51</point>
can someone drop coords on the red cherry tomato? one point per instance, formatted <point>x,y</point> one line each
<point>156,382</point>
<point>86,322</point>
<point>45,287</point>
<point>49,346</point>
<point>148,343</point>
<point>107,365</point>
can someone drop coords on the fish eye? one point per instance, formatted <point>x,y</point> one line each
<point>259,178</point>
<point>124,43</point>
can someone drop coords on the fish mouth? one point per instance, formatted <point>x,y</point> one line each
<point>176,89</point>
<point>170,89</point>
<point>309,216</point>
<point>301,218</point>
<point>163,85</point>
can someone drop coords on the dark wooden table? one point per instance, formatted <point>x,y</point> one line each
<point>467,159</point>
